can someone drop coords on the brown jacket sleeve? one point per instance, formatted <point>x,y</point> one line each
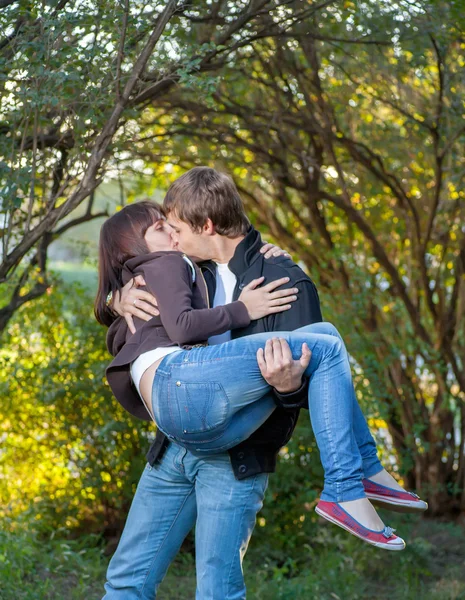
<point>169,279</point>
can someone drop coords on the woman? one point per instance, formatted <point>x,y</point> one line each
<point>208,399</point>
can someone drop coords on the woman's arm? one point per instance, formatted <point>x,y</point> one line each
<point>169,279</point>
<point>132,301</point>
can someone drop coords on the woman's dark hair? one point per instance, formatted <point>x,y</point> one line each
<point>121,238</point>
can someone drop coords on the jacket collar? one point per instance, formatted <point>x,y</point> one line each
<point>246,253</point>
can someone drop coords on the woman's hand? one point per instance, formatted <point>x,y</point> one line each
<point>134,302</point>
<point>264,301</point>
<point>270,250</point>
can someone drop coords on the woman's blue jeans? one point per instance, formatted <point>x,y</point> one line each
<point>210,398</point>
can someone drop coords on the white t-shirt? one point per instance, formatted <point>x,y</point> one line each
<point>225,284</point>
<point>146,360</point>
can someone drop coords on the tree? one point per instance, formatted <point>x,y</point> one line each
<point>344,137</point>
<point>74,79</point>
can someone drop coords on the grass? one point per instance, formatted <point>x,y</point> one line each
<point>34,569</point>
<point>71,272</point>
<point>331,566</point>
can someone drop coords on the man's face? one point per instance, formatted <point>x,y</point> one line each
<point>186,240</point>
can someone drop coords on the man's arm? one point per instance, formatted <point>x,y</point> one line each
<point>276,364</point>
<point>305,311</point>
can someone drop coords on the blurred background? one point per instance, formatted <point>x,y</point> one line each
<point>343,126</point>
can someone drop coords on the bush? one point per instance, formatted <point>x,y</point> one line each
<point>71,456</point>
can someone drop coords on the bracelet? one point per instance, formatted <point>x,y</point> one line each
<point>108,299</point>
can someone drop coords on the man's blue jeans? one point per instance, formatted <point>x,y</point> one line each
<point>209,399</point>
<point>181,491</point>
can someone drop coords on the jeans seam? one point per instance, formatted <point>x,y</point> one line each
<point>178,460</point>
<point>239,531</point>
<point>331,441</point>
<point>339,484</point>
<point>199,363</point>
<point>161,545</point>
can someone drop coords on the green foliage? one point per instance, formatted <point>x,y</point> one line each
<point>287,519</point>
<point>71,455</point>
<point>345,140</point>
<point>75,78</point>
<point>36,568</point>
<point>332,566</point>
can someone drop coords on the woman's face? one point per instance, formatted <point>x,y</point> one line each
<point>158,236</point>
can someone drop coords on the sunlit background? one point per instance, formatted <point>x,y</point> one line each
<point>342,124</point>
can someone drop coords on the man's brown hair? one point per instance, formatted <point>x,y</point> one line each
<point>203,193</point>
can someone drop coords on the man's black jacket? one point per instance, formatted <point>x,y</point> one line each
<point>258,453</point>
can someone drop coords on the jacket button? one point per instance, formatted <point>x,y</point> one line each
<point>178,383</point>
<point>240,455</point>
<point>242,469</point>
<point>241,286</point>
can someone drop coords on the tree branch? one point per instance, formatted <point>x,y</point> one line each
<point>90,179</point>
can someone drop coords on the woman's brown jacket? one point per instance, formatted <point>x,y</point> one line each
<point>179,287</point>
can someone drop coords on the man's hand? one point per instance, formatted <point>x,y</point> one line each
<point>278,367</point>
<point>270,250</point>
<point>134,302</point>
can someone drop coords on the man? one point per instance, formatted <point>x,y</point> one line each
<point>219,494</point>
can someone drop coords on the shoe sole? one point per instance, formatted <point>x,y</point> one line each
<point>390,547</point>
<point>400,506</point>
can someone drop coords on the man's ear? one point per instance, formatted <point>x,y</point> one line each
<point>208,228</point>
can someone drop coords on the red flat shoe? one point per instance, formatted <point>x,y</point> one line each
<point>333,512</point>
<point>396,500</point>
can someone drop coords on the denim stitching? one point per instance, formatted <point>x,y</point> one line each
<point>206,408</point>
<point>252,489</point>
<point>169,401</point>
<point>330,440</point>
<point>213,433</point>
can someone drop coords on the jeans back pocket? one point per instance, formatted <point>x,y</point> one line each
<point>202,406</point>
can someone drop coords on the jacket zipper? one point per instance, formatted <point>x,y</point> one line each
<point>206,288</point>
